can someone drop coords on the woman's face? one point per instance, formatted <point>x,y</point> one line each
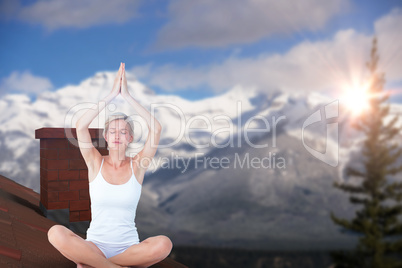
<point>118,134</point>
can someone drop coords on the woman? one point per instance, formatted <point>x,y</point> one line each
<point>115,183</point>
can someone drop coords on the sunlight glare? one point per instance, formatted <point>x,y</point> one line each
<point>356,99</point>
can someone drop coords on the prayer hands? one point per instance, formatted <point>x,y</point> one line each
<point>117,82</point>
<point>124,88</point>
<point>120,82</point>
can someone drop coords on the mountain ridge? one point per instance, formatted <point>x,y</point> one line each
<point>236,207</point>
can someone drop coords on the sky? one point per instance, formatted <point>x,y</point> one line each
<point>200,48</point>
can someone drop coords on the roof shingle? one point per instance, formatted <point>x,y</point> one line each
<point>23,231</point>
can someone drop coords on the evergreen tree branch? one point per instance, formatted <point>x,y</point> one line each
<point>349,188</point>
<point>354,172</point>
<point>359,200</point>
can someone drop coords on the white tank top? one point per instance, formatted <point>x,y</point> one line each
<point>113,210</point>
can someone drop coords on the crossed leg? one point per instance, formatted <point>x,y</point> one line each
<point>86,254</point>
<point>150,251</point>
<point>75,248</point>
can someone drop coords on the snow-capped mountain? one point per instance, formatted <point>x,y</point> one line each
<point>222,184</point>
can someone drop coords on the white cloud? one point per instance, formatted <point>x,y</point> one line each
<point>24,82</point>
<point>57,14</point>
<point>390,44</point>
<point>308,66</point>
<point>209,23</point>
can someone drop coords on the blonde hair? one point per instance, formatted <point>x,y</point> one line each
<point>118,116</point>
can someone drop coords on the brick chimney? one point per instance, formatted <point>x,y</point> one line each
<point>64,188</point>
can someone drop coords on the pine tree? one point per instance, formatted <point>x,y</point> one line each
<point>378,219</point>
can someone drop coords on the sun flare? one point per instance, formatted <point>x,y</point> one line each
<point>356,99</point>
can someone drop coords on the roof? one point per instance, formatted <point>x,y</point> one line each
<point>23,231</point>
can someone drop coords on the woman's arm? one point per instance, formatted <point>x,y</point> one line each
<point>154,126</point>
<point>88,151</point>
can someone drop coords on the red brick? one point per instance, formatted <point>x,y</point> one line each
<point>69,175</point>
<point>78,164</point>
<point>73,143</point>
<point>43,163</point>
<point>74,216</point>
<point>57,164</point>
<point>79,205</point>
<point>69,195</point>
<point>103,151</point>
<point>42,143</point>
<point>44,182</point>
<point>57,185</point>
<point>99,143</point>
<point>52,175</point>
<point>43,197</point>
<point>84,174</point>
<point>43,190</point>
<point>49,153</point>
<point>43,172</point>
<point>53,196</point>
<point>61,133</point>
<point>49,175</point>
<point>56,143</point>
<point>53,143</point>
<point>84,194</point>
<point>70,154</point>
<point>78,185</point>
<point>44,202</point>
<point>58,205</point>
<point>85,215</point>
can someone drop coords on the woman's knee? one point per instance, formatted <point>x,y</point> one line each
<point>162,246</point>
<point>57,235</point>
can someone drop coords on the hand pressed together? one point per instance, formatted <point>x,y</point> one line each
<point>124,88</point>
<point>120,82</point>
<point>117,82</point>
